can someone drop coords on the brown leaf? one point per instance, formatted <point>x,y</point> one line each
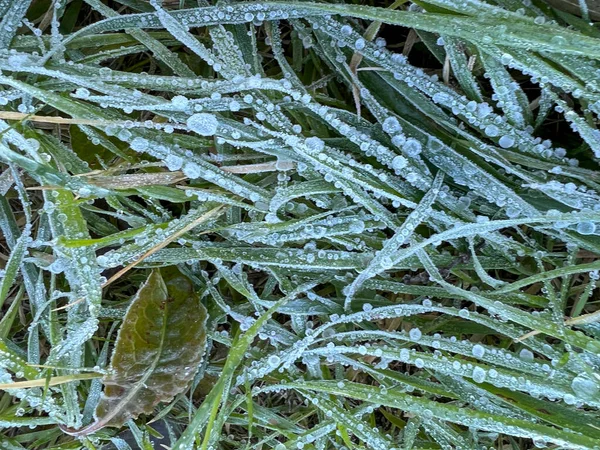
<point>159,346</point>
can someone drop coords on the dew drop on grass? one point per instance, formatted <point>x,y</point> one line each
<point>179,101</point>
<point>586,227</point>
<point>506,141</point>
<point>584,387</point>
<point>478,351</point>
<point>399,163</point>
<point>512,212</point>
<point>415,334</point>
<point>173,162</point>
<point>491,131</point>
<point>391,125</point>
<point>191,170</point>
<point>314,143</point>
<point>479,375</point>
<point>274,360</point>
<point>412,147</point>
<point>203,124</point>
<point>139,144</point>
<point>526,355</point>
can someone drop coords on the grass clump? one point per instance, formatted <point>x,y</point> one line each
<point>377,222</point>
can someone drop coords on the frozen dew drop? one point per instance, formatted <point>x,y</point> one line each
<point>415,334</point>
<point>512,212</point>
<point>360,44</point>
<point>179,101</point>
<point>506,141</point>
<point>491,131</point>
<point>173,162</point>
<point>586,227</point>
<point>478,351</point>
<point>464,313</point>
<point>203,124</point>
<point>139,144</point>
<point>506,59</point>
<point>398,140</point>
<point>399,163</point>
<point>386,262</point>
<point>84,192</point>
<point>526,355</point>
<point>479,375</point>
<point>124,135</point>
<point>82,93</point>
<point>412,147</point>
<point>391,125</point>
<point>314,143</point>
<point>584,387</point>
<point>191,170</point>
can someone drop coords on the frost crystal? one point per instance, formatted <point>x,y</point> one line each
<point>315,144</point>
<point>415,334</point>
<point>478,351</point>
<point>506,141</point>
<point>203,124</point>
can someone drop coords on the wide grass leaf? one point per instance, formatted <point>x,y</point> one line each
<point>160,344</point>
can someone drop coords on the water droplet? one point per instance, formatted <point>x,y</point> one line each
<point>412,147</point>
<point>526,355</point>
<point>391,125</point>
<point>399,163</point>
<point>314,143</point>
<point>478,351</point>
<point>506,141</point>
<point>479,375</point>
<point>139,144</point>
<point>360,44</point>
<point>491,131</point>
<point>584,387</point>
<point>415,334</point>
<point>586,227</point>
<point>203,124</point>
